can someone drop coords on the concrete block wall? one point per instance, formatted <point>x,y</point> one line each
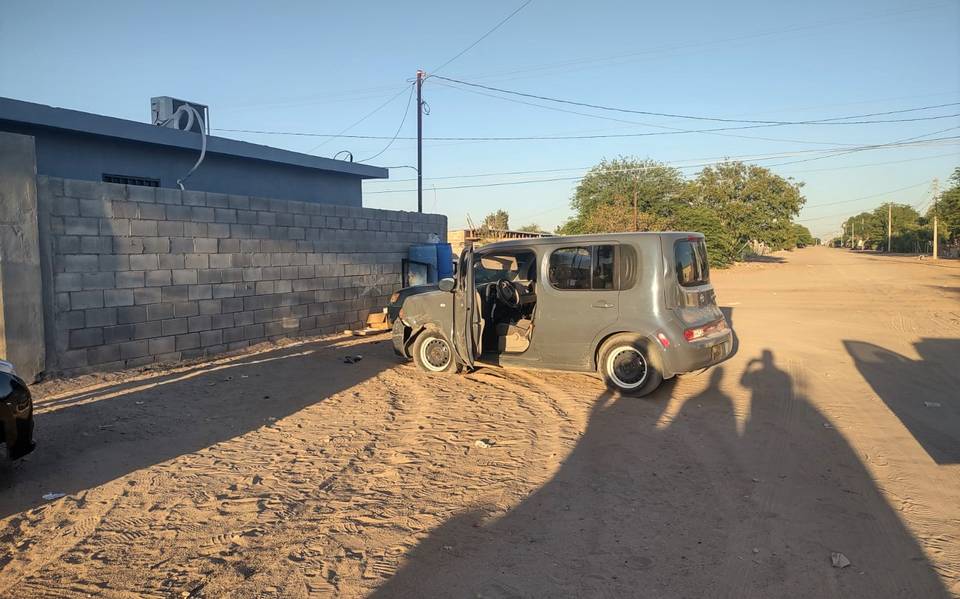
<point>141,275</point>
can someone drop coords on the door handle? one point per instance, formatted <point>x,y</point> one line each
<point>602,304</point>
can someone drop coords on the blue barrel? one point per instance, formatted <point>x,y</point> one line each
<point>444,261</point>
<point>426,254</point>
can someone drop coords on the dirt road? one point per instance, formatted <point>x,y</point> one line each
<point>288,473</point>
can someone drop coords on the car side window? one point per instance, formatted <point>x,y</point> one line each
<point>590,267</point>
<point>570,268</point>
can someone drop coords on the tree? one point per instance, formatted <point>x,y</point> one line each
<point>947,208</point>
<point>531,228</point>
<point>753,203</point>
<point>609,196</point>
<point>497,220</point>
<point>721,246</point>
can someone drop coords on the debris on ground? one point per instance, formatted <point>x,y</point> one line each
<point>932,404</point>
<point>839,560</point>
<point>52,496</point>
<point>352,359</point>
<point>484,443</point>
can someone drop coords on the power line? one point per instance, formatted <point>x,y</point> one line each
<point>365,117</point>
<point>485,35</point>
<point>843,120</point>
<point>554,179</point>
<point>802,220</point>
<point>904,141</point>
<point>402,121</point>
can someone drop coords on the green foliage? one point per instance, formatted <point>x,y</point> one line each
<point>947,208</point>
<point>731,203</point>
<point>531,228</point>
<point>869,229</point>
<point>497,220</point>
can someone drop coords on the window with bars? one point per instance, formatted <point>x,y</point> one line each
<point>129,180</point>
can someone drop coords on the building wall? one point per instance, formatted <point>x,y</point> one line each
<point>139,275</point>
<point>74,155</point>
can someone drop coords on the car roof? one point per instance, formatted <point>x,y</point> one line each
<point>592,238</point>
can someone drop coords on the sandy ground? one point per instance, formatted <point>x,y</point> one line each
<point>288,473</point>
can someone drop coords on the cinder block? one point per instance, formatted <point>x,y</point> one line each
<point>171,261</point>
<point>129,278</point>
<point>116,334</point>
<point>68,281</point>
<point>82,189</point>
<point>131,314</point>
<point>209,338</point>
<point>196,261</point>
<point>148,330</point>
<point>153,212</point>
<point>140,193</point>
<point>232,304</point>
<point>231,275</point>
<point>208,276</point>
<point>144,262</point>
<point>181,213</point>
<point>243,318</point>
<point>157,278</point>
<point>162,345</point>
<point>160,311</point>
<point>194,229</point>
<point>169,228</point>
<point>210,306</point>
<point>253,331</point>
<point>194,198</point>
<point>128,245</point>
<point>176,293</point>
<point>181,245</point>
<point>74,319</point>
<point>184,277</point>
<point>282,287</point>
<point>103,354</point>
<point>124,209</point>
<point>204,245</point>
<point>80,263</point>
<point>223,290</point>
<point>188,341</point>
<point>83,300</point>
<point>73,359</point>
<point>264,287</point>
<point>221,321</point>
<point>117,297</point>
<point>184,309</point>
<point>246,217</point>
<point>81,338</point>
<point>174,326</point>
<point>200,292</point>
<point>201,214</point>
<point>228,246</point>
<point>96,245</point>
<point>250,246</point>
<point>156,245</point>
<point>217,200</point>
<point>233,334</point>
<point>149,295</point>
<point>96,208</point>
<point>134,349</point>
<point>112,262</point>
<point>101,317</point>
<point>228,216</point>
<point>221,260</point>
<point>199,323</point>
<point>62,206</point>
<point>252,274</point>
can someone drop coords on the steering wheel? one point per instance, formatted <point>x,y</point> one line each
<point>508,293</point>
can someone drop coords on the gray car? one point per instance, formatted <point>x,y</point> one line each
<point>636,308</point>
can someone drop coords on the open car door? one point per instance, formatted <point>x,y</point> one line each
<point>466,312</point>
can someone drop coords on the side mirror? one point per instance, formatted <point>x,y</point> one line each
<point>446,284</point>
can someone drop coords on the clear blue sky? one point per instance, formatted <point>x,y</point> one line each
<point>319,67</point>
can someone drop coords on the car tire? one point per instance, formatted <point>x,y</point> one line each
<point>433,353</point>
<point>628,365</point>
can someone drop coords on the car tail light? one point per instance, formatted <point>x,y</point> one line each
<point>663,340</point>
<point>701,332</point>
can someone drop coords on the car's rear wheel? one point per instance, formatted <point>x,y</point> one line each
<point>629,366</point>
<point>433,353</point>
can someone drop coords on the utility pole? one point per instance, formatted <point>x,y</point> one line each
<point>420,74</point>
<point>636,219</point>
<point>936,192</point>
<point>853,234</point>
<point>889,226</point>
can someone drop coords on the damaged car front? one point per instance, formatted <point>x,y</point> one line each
<point>16,413</point>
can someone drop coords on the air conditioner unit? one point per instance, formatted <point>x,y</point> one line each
<point>162,109</point>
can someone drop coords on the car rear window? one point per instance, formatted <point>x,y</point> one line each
<point>692,265</point>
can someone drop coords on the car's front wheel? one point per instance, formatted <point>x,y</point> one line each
<point>433,353</point>
<point>627,365</point>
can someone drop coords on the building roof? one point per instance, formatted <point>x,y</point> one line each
<point>40,115</point>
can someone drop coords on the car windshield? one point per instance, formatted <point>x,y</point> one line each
<point>496,267</point>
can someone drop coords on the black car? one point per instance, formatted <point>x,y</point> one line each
<point>16,413</point>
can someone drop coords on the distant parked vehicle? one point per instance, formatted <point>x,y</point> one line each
<point>16,413</point>
<point>636,308</point>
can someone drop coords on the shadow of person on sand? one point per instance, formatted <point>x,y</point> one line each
<point>88,438</point>
<point>673,497</point>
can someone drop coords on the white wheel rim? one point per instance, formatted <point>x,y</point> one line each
<point>433,348</point>
<point>614,363</point>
